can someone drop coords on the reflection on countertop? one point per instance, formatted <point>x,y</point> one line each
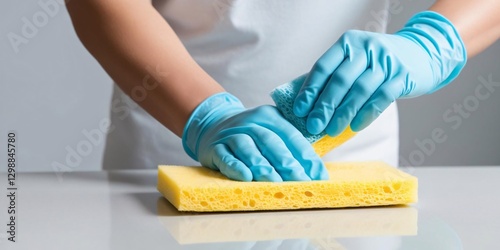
<point>321,224</point>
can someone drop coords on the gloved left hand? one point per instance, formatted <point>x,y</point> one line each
<point>249,144</point>
<point>364,72</point>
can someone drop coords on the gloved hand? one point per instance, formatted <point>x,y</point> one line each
<point>364,72</point>
<point>249,144</point>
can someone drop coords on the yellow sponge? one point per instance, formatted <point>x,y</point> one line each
<point>353,184</point>
<point>327,143</point>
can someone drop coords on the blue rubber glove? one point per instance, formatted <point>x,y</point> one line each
<point>364,72</point>
<point>249,144</point>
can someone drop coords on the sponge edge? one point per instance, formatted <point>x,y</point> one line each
<point>284,96</point>
<point>350,185</point>
<point>328,143</point>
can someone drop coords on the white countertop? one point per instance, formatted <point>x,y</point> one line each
<point>458,208</point>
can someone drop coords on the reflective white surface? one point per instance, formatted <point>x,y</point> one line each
<point>458,208</point>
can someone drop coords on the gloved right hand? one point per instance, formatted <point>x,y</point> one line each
<point>249,144</point>
<point>364,72</point>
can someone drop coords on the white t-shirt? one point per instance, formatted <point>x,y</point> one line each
<point>250,47</point>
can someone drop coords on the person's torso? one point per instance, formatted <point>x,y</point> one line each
<point>249,47</point>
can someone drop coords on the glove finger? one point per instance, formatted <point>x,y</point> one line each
<point>246,151</point>
<point>338,86</point>
<point>361,91</point>
<point>386,94</point>
<point>277,153</point>
<point>228,165</point>
<point>297,144</point>
<point>304,153</point>
<point>302,150</point>
<point>317,79</point>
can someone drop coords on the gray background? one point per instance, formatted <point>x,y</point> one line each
<point>51,90</point>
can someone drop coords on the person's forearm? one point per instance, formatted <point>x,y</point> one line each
<point>132,41</point>
<point>477,21</point>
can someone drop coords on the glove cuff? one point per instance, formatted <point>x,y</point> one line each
<point>205,113</point>
<point>441,40</point>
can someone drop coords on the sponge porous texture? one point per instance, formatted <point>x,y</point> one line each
<point>284,96</point>
<point>353,184</point>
